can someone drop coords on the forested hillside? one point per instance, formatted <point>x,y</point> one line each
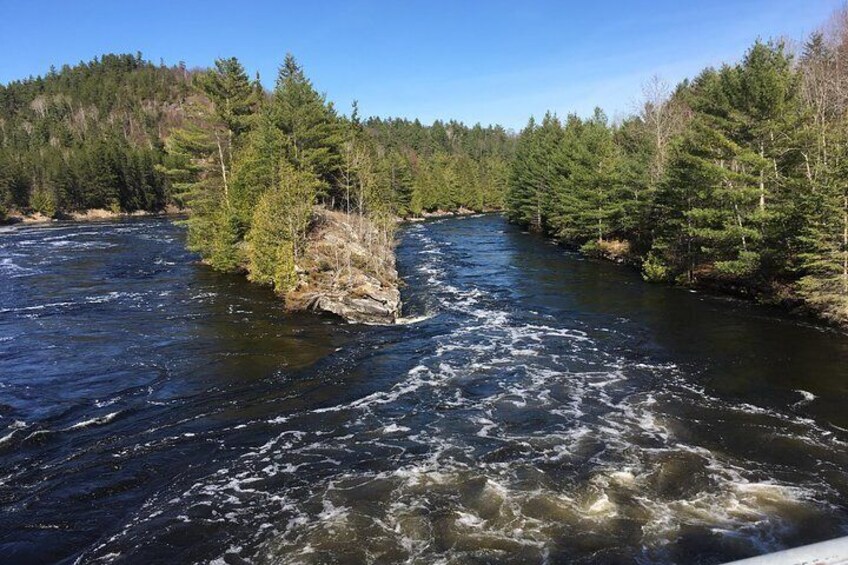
<point>89,136</point>
<point>444,166</point>
<point>736,179</point>
<point>123,134</point>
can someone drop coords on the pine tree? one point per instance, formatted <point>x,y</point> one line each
<point>232,95</point>
<point>79,128</point>
<point>588,200</point>
<point>197,169</point>
<point>314,130</point>
<point>256,168</point>
<point>824,284</point>
<point>189,161</point>
<point>823,201</point>
<point>534,173</point>
<point>234,100</point>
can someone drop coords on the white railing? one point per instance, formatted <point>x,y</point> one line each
<point>833,552</point>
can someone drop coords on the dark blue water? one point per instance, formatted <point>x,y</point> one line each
<point>536,408</point>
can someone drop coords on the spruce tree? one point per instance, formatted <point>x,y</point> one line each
<point>311,125</point>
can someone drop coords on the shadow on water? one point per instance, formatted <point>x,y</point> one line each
<point>737,348</point>
<point>543,407</point>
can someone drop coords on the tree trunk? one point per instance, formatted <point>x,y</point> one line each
<point>538,219</point>
<point>762,181</point>
<point>739,223</point>
<point>223,169</point>
<point>845,245</point>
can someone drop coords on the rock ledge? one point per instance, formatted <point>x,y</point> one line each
<point>348,269</point>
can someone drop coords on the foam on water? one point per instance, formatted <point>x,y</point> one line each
<point>512,435</point>
<point>96,421</point>
<point>8,268</point>
<point>403,321</point>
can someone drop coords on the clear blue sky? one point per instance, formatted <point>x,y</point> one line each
<point>489,61</point>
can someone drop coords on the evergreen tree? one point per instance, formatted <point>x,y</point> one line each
<point>80,134</point>
<point>535,173</point>
<point>279,228</point>
<point>256,167</point>
<point>197,170</point>
<point>232,95</point>
<point>588,203</point>
<point>311,125</point>
<point>823,207</point>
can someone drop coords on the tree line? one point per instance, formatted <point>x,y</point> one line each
<point>734,179</point>
<point>94,135</point>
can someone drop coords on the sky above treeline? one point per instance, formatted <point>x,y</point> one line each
<point>487,61</point>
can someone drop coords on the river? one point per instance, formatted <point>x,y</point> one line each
<point>537,407</point>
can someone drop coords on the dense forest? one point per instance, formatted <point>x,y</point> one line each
<point>89,136</point>
<point>252,167</point>
<point>735,180</point>
<point>123,134</point>
<point>94,136</point>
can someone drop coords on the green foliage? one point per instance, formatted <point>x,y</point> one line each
<point>233,97</point>
<point>750,188</point>
<point>567,179</point>
<point>255,171</point>
<point>189,160</point>
<point>223,242</point>
<point>252,170</point>
<point>265,239</point>
<point>535,173</point>
<point>279,228</point>
<point>445,166</point>
<point>654,270</point>
<point>311,125</point>
<point>739,175</point>
<point>121,133</point>
<point>88,136</point>
<point>43,201</point>
<point>823,240</point>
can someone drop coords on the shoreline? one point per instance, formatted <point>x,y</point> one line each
<point>765,296</point>
<point>437,214</point>
<point>90,215</point>
<point>360,284</point>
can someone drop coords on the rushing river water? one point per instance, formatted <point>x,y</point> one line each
<point>538,408</point>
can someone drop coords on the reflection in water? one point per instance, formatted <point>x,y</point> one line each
<point>537,408</point>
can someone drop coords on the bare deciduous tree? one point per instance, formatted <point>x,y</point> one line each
<point>664,118</point>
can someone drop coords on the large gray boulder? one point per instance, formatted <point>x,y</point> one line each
<point>368,305</point>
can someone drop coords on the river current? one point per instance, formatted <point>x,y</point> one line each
<point>534,407</point>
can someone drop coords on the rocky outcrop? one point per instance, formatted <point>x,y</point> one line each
<point>348,269</point>
<point>372,304</point>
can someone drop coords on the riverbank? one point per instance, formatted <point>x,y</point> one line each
<point>238,406</point>
<point>348,267</point>
<point>435,214</point>
<point>91,215</point>
<point>779,294</point>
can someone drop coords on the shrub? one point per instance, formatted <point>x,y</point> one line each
<point>654,270</point>
<point>44,201</point>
